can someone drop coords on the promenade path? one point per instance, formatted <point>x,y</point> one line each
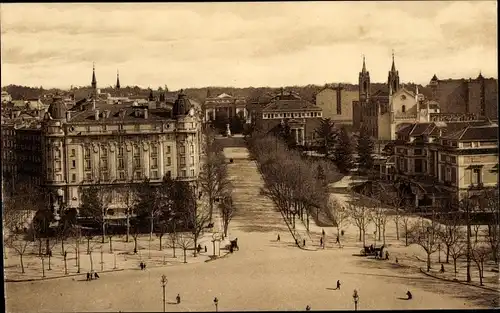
<point>263,275</point>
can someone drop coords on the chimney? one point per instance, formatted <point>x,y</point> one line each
<point>68,116</point>
<point>96,114</point>
<point>146,113</point>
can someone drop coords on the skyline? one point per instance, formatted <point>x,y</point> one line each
<point>273,44</point>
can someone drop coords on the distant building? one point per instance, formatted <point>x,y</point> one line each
<point>224,105</point>
<point>302,116</point>
<point>336,103</point>
<point>6,97</point>
<point>9,167</point>
<point>477,96</point>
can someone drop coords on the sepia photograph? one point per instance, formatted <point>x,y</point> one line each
<point>250,156</point>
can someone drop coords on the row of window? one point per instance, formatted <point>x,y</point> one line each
<point>292,115</point>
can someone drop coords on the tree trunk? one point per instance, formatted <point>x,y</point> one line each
<point>428,261</point>
<point>173,248</point>
<point>213,242</point>
<point>481,268</point>
<point>128,226</point>
<point>455,266</point>
<point>47,245</point>
<point>43,268</point>
<point>91,262</point>
<point>185,255</point>
<point>40,246</point>
<point>135,244</point>
<point>110,245</point>
<point>447,254</point>
<point>383,233</point>
<point>211,206</point>
<point>195,244</point>
<point>103,231</point>
<point>22,264</point>
<point>397,226</point>
<point>49,262</point>
<point>151,226</point>
<point>406,236</point>
<point>379,232</point>
<point>364,237</point>
<point>62,245</point>
<point>360,234</point>
<point>65,265</point>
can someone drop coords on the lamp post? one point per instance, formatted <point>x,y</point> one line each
<point>164,282</point>
<point>216,302</point>
<point>355,296</point>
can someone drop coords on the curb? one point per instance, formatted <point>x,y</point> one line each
<point>456,281</point>
<point>57,277</point>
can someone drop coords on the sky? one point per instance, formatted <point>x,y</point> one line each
<point>242,44</point>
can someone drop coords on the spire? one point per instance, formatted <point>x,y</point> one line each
<point>117,79</point>
<point>94,81</point>
<point>364,65</point>
<point>393,68</point>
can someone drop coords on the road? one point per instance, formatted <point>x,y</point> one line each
<point>263,275</point>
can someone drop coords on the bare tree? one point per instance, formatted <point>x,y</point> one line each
<point>425,234</point>
<point>475,229</point>
<point>340,214</point>
<point>479,254</point>
<point>450,233</point>
<point>20,243</point>
<point>227,209</point>
<point>490,206</point>
<point>405,219</point>
<point>160,231</point>
<point>457,249</point>
<point>359,215</point>
<point>185,242</point>
<point>95,200</point>
<point>173,236</point>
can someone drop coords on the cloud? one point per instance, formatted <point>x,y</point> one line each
<point>277,43</point>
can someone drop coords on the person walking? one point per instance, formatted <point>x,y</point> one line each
<point>323,232</point>
<point>96,276</point>
<point>278,239</point>
<point>178,298</point>
<point>321,241</point>
<point>88,276</point>
<point>338,284</point>
<point>304,242</point>
<point>410,296</point>
<point>442,268</point>
<point>308,308</point>
<point>337,240</point>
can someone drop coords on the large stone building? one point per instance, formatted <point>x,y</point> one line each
<point>224,105</point>
<point>336,102</point>
<point>114,145</point>
<point>302,116</point>
<point>475,96</point>
<point>440,159</point>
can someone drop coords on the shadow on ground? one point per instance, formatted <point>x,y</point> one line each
<point>410,276</point>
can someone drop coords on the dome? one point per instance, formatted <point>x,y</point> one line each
<point>58,109</point>
<point>181,105</point>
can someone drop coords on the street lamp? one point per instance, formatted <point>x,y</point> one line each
<point>216,302</point>
<point>164,282</point>
<point>355,296</point>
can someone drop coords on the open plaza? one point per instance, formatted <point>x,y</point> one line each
<point>264,274</point>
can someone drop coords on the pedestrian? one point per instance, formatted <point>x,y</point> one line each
<point>297,242</point>
<point>410,296</point>
<point>205,249</point>
<point>278,239</point>
<point>338,284</point>
<point>141,266</point>
<point>321,242</point>
<point>387,255</point>
<point>304,242</point>
<point>178,298</point>
<point>337,240</point>
<point>96,276</point>
<point>144,265</point>
<point>323,232</point>
<point>442,268</point>
<point>397,261</point>
<point>88,276</point>
<point>342,233</point>
<point>308,308</point>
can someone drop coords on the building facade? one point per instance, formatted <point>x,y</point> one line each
<point>300,115</point>
<point>477,96</point>
<point>336,103</point>
<point>224,105</point>
<point>114,145</point>
<point>440,159</point>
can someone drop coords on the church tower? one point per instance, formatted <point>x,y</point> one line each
<point>117,79</point>
<point>94,82</point>
<point>364,83</point>
<point>393,79</point>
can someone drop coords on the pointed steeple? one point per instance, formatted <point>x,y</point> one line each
<point>94,81</point>
<point>117,79</point>
<point>364,65</point>
<point>393,68</point>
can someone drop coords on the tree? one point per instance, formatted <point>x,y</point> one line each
<point>425,234</point>
<point>365,148</point>
<point>343,152</point>
<point>340,214</point>
<point>326,135</point>
<point>479,254</point>
<point>20,243</point>
<point>160,230</point>
<point>213,178</point>
<point>196,218</point>
<point>185,242</point>
<point>489,205</point>
<point>227,210</point>
<point>358,214</point>
<point>95,200</point>
<point>457,248</point>
<point>450,233</point>
<point>406,221</point>
<point>135,231</point>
